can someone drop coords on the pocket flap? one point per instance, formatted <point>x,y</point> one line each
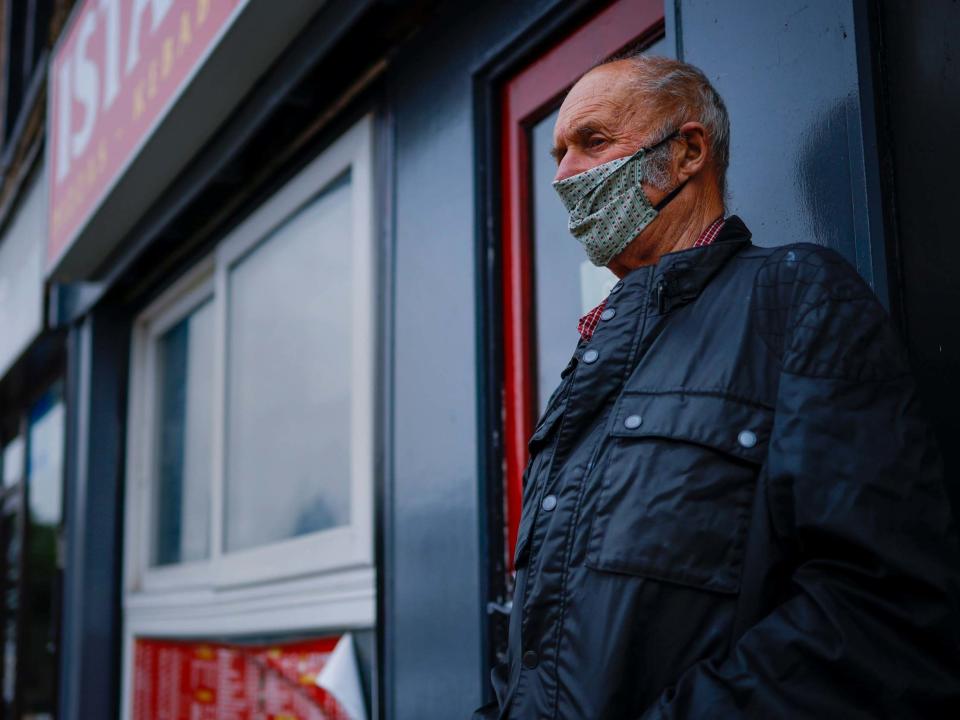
<point>730,425</point>
<point>545,426</point>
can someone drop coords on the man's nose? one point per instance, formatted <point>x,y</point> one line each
<point>569,166</point>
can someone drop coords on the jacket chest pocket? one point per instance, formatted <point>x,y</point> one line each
<point>676,483</point>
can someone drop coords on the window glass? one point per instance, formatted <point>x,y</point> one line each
<point>567,284</point>
<point>10,546</point>
<point>13,462</point>
<point>10,536</point>
<point>288,378</point>
<point>183,472</point>
<point>559,266</point>
<point>46,465</point>
<point>42,566</point>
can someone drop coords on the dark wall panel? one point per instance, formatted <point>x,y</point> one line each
<point>788,73</point>
<point>921,60</point>
<point>96,382</point>
<point>433,616</point>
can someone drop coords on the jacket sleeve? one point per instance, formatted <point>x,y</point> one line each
<point>854,485</point>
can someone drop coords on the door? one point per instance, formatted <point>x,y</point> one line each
<point>547,281</point>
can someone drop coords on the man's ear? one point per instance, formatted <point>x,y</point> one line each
<point>696,150</point>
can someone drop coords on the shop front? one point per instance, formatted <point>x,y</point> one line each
<point>220,560</point>
<point>302,289</point>
<point>32,447</point>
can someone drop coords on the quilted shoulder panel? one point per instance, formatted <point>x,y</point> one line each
<point>820,319</point>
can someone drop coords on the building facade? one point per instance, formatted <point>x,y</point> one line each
<point>283,287</point>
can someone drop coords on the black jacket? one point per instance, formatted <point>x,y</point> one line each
<point>733,508</point>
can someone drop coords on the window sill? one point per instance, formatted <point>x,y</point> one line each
<point>331,601</point>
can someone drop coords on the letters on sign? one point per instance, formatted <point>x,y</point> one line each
<point>116,71</point>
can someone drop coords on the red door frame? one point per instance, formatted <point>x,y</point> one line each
<point>527,97</point>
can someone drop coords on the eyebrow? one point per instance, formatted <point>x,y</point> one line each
<point>582,134</point>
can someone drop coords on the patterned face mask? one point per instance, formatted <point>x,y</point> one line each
<point>607,205</point>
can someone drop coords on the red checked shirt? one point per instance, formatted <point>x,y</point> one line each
<point>588,323</point>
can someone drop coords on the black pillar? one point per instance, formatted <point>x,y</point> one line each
<point>98,346</point>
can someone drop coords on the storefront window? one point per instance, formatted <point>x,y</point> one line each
<point>185,381</point>
<point>31,509</point>
<point>13,462</point>
<point>289,359</point>
<point>250,429</point>
<point>42,566</point>
<point>250,455</point>
<point>46,463</point>
<point>10,536</point>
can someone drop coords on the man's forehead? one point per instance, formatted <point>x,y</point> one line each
<point>602,96</point>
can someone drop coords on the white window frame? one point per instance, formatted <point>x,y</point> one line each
<point>320,581</point>
<point>185,296</point>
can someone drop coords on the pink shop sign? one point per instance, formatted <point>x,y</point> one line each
<point>116,72</point>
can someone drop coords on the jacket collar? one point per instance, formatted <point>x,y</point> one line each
<point>679,277</point>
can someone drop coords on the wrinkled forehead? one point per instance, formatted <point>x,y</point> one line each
<point>603,97</point>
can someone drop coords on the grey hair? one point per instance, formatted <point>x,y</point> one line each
<point>681,93</point>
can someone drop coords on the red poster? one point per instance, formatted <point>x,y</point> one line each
<point>114,75</point>
<point>216,681</point>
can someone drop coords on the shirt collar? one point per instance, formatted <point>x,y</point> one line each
<point>588,323</point>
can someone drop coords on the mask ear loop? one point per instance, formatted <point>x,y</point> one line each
<point>670,196</point>
<point>676,191</point>
<point>644,151</point>
<point>670,136</point>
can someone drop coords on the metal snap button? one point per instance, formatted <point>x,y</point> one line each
<point>608,314</point>
<point>590,356</point>
<point>549,502</point>
<point>632,422</point>
<point>747,438</point>
<point>530,659</point>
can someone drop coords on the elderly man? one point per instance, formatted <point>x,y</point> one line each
<point>732,506</point>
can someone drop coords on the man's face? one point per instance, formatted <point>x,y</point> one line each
<point>600,120</point>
